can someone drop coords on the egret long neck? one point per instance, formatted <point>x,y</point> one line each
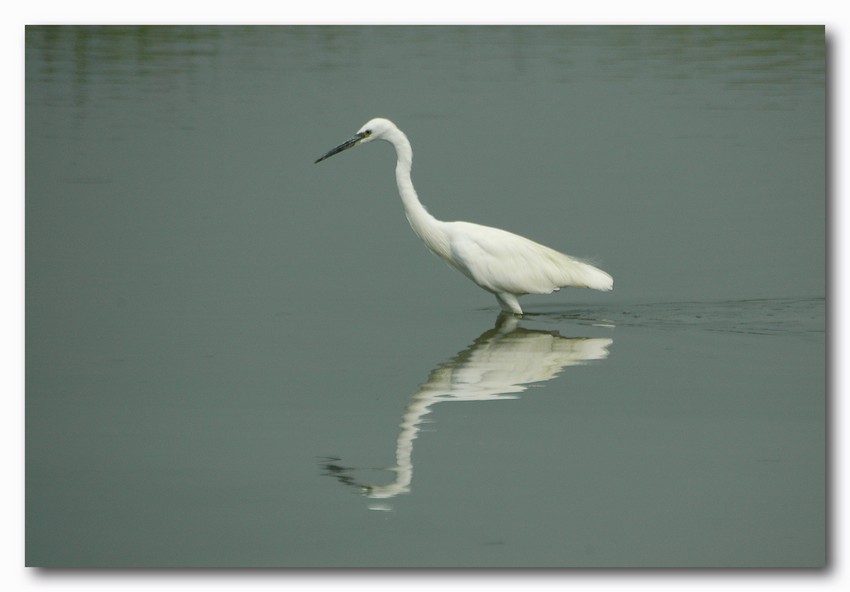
<point>424,224</point>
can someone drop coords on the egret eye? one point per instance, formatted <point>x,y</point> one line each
<point>367,133</point>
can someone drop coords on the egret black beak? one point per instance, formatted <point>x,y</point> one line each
<point>344,146</point>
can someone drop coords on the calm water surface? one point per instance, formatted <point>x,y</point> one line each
<point>237,358</point>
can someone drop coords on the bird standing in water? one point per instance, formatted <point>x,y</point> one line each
<point>505,264</point>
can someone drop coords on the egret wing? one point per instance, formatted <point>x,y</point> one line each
<point>501,261</point>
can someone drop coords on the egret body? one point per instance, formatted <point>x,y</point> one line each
<point>505,264</point>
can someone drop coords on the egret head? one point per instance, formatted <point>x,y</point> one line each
<point>375,129</point>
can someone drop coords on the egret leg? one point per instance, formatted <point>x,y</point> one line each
<point>509,303</point>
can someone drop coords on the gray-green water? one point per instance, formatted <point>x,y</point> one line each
<point>235,357</point>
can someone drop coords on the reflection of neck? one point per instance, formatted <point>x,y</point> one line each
<point>413,418</point>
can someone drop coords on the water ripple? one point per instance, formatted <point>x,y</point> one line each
<point>780,316</point>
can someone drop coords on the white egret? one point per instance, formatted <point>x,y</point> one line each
<point>505,264</point>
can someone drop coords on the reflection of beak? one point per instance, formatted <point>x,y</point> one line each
<point>344,146</point>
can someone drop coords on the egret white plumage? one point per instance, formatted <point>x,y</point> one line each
<point>505,264</point>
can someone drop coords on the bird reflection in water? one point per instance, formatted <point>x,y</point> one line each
<point>500,364</point>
